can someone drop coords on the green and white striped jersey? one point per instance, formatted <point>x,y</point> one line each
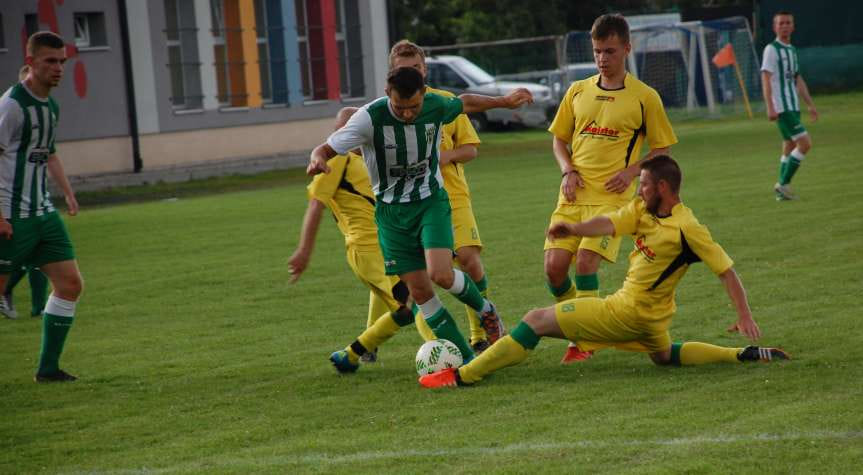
<point>780,60</point>
<point>27,128</point>
<point>401,158</point>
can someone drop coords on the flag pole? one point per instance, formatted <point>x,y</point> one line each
<point>742,88</point>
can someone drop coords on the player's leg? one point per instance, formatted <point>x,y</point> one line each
<point>38,291</point>
<point>792,130</point>
<point>802,145</point>
<point>697,353</point>
<point>58,319</point>
<point>436,315</point>
<point>467,254</point>
<point>7,304</point>
<point>559,255</point>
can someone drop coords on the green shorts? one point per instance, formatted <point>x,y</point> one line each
<point>35,241</point>
<point>405,230</point>
<point>790,126</point>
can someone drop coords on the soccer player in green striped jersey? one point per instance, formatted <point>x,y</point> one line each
<point>399,135</point>
<point>783,86</point>
<point>31,231</point>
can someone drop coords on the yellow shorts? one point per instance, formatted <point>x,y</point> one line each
<point>464,229</point>
<point>594,321</point>
<point>368,265</point>
<point>605,246</point>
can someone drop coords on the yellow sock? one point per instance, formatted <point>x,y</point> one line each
<point>505,352</point>
<point>477,333</point>
<point>382,330</point>
<point>423,328</point>
<point>585,293</point>
<point>377,308</point>
<point>694,353</point>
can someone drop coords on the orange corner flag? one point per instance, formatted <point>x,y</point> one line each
<point>725,57</point>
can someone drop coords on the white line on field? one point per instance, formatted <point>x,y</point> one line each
<point>335,459</point>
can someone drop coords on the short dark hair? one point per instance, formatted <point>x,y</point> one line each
<point>41,39</point>
<point>608,25</point>
<point>406,81</point>
<point>663,167</point>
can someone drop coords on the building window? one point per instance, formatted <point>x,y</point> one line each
<point>90,30</point>
<point>183,65</point>
<point>220,53</point>
<point>349,46</point>
<point>262,34</point>
<point>303,43</point>
<point>31,23</point>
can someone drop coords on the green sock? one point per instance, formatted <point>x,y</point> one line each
<point>470,293</point>
<point>443,326</point>
<point>525,336</point>
<point>790,170</point>
<point>587,285</point>
<point>54,331</point>
<point>563,289</point>
<point>783,164</point>
<point>38,291</point>
<point>14,278</point>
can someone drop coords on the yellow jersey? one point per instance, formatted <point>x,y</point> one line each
<point>664,249</point>
<point>455,134</point>
<point>605,130</point>
<point>347,192</point>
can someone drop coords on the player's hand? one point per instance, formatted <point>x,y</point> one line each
<point>619,182</point>
<point>317,165</point>
<point>813,114</point>
<point>297,263</point>
<point>71,205</point>
<point>559,230</point>
<point>569,183</point>
<point>517,98</point>
<point>771,114</point>
<point>746,327</point>
<point>5,229</point>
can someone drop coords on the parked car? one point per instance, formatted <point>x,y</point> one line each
<point>458,75</point>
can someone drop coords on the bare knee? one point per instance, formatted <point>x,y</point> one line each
<point>556,268</point>
<point>534,318</point>
<point>69,287</point>
<point>469,261</point>
<point>442,277</point>
<point>804,144</point>
<point>587,262</point>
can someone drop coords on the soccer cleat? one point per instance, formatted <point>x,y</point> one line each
<point>445,378</point>
<point>480,346</point>
<point>784,192</point>
<point>342,363</point>
<point>370,357</point>
<point>58,376</point>
<point>757,353</point>
<point>492,324</point>
<point>7,308</point>
<point>574,355</point>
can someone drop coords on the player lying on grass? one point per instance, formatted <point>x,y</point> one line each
<point>399,135</point>
<point>668,239</point>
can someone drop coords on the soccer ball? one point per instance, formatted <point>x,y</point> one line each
<point>436,355</point>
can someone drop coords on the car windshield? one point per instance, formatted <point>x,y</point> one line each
<point>472,71</point>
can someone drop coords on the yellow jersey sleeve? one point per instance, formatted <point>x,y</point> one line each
<point>625,220</point>
<point>702,244</point>
<point>324,185</point>
<point>563,124</point>
<point>657,126</point>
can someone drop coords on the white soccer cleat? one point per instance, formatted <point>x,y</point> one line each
<point>7,309</point>
<point>784,192</point>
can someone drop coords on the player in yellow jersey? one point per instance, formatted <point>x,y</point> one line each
<point>458,146</point>
<point>598,131</point>
<point>347,192</point>
<point>668,239</point>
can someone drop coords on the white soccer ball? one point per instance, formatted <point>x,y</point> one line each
<point>436,355</point>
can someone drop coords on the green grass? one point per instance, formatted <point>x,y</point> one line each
<point>196,356</point>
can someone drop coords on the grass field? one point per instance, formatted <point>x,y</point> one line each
<point>196,356</point>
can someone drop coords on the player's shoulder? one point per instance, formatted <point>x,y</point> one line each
<point>686,219</point>
<point>577,87</point>
<point>639,87</point>
<point>439,92</point>
<point>10,102</point>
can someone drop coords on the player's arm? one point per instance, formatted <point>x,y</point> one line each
<point>621,180</point>
<point>598,226</point>
<point>460,154</point>
<point>803,90</point>
<point>356,131</point>
<point>55,169</point>
<point>570,179</point>
<point>5,226</point>
<point>11,120</point>
<point>734,288</point>
<point>479,103</point>
<point>767,91</point>
<point>299,260</point>
<point>318,159</point>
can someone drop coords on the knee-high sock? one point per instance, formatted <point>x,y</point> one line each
<point>59,316</point>
<point>509,350</point>
<point>382,330</point>
<point>14,277</point>
<point>587,285</point>
<point>38,291</point>
<point>783,164</point>
<point>695,353</point>
<point>566,291</point>
<point>443,326</point>
<point>477,333</point>
<point>377,308</point>
<point>422,326</point>
<point>791,168</point>
<point>466,292</point>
